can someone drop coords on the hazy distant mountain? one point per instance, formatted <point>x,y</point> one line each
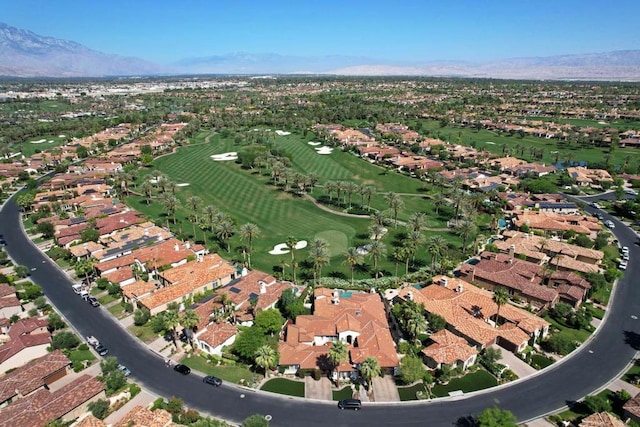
<point>26,54</point>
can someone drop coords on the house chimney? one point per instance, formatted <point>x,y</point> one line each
<point>187,245</point>
<point>444,282</point>
<point>459,288</point>
<point>512,250</point>
<point>176,247</point>
<point>146,231</point>
<point>410,296</point>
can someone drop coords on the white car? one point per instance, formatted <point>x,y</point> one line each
<point>609,224</point>
<point>624,249</point>
<point>622,265</point>
<point>631,192</point>
<point>92,341</point>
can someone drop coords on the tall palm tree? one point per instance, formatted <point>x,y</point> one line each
<point>353,258</point>
<point>210,212</point>
<point>171,205</point>
<point>377,250</point>
<point>194,203</point>
<point>351,188</point>
<point>204,225</point>
<point>370,368</point>
<point>367,191</point>
<point>291,245</point>
<point>248,232</point>
<point>438,200</point>
<point>319,254</point>
<point>465,229</point>
<point>416,324</point>
<point>224,231</point>
<point>417,221</point>
<point>189,320</point>
<point>436,246</point>
<point>147,191</point>
<point>379,218</point>
<point>395,204</point>
<point>500,297</point>
<point>330,187</point>
<point>339,188</point>
<point>171,320</point>
<point>338,353</point>
<point>376,231</point>
<point>266,357</point>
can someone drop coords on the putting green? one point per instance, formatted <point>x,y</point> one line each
<point>338,241</point>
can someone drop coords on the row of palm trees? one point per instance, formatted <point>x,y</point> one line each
<point>345,190</point>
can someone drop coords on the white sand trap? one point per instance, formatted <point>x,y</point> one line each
<point>50,141</point>
<point>490,143</point>
<point>603,123</point>
<point>314,143</point>
<point>153,181</point>
<point>282,133</point>
<point>40,141</point>
<point>279,249</point>
<point>182,184</point>
<point>232,155</point>
<point>282,248</point>
<point>62,136</point>
<point>324,150</point>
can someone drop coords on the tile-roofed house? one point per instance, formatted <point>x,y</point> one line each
<point>117,222</point>
<point>86,250</point>
<point>42,407</point>
<point>171,252</point>
<point>37,374</point>
<point>9,303</point>
<point>632,408</point>
<point>139,289</point>
<point>179,283</point>
<point>521,278</point>
<point>122,276</point>
<point>449,349</point>
<point>470,313</point>
<point>589,177</point>
<point>357,319</point>
<point>601,419</point>
<point>89,421</point>
<point>557,223</point>
<point>141,416</point>
<point>28,339</point>
<point>214,337</point>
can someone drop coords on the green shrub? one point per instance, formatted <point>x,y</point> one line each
<point>134,390</point>
<point>77,365</point>
<point>99,408</point>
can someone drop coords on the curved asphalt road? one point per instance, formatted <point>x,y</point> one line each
<point>594,365</point>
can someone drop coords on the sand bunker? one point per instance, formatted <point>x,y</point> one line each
<point>282,133</point>
<point>324,150</point>
<point>314,143</point>
<point>153,181</point>
<point>62,136</point>
<point>490,143</point>
<point>232,155</point>
<point>50,141</point>
<point>40,141</point>
<point>182,184</point>
<point>282,248</point>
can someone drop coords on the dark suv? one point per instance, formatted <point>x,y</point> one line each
<point>354,404</point>
<point>183,369</point>
<point>215,381</point>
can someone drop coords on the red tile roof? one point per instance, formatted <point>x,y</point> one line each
<point>30,377</point>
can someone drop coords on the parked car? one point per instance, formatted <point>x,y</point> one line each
<point>609,224</point>
<point>84,295</point>
<point>124,370</point>
<point>622,265</point>
<point>631,191</point>
<point>101,350</point>
<point>77,288</point>
<point>595,205</point>
<point>183,369</point>
<point>624,249</point>
<point>354,404</point>
<point>92,341</point>
<point>93,301</point>
<point>215,381</point>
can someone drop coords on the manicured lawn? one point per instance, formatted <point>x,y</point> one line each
<point>118,310</point>
<point>284,386</point>
<point>409,393</point>
<point>540,362</point>
<point>230,373</point>
<point>144,333</point>
<point>78,355</point>
<point>107,299</point>
<point>596,312</point>
<point>250,196</point>
<point>471,382</point>
<point>343,393</point>
<point>579,335</point>
<point>632,374</point>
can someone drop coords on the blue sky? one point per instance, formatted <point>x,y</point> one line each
<point>405,31</point>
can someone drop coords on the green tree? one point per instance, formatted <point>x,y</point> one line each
<point>108,364</point>
<point>266,357</point>
<point>55,322</point>
<point>171,205</point>
<point>319,254</point>
<point>46,229</point>
<point>395,204</point>
<point>411,369</point>
<point>436,322</point>
<point>353,258</point>
<point>248,232</point>
<point>224,231</point>
<point>436,246</point>
<point>89,234</point>
<point>269,321</point>
<point>141,317</point>
<point>171,320</point>
<point>64,340</point>
<point>291,243</point>
<point>248,342</point>
<point>496,417</point>
<point>255,420</point>
<point>597,403</point>
<point>99,408</point>
<point>338,353</point>
<point>189,320</point>
<point>21,271</point>
<point>377,250</point>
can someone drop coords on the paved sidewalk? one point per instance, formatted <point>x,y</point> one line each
<point>540,422</point>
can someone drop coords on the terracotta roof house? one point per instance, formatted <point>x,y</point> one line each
<point>28,339</point>
<point>589,177</point>
<point>122,276</point>
<point>470,313</point>
<point>36,375</point>
<point>632,408</point>
<point>520,278</point>
<point>89,421</point>
<point>446,348</point>
<point>257,285</point>
<point>214,337</point>
<point>141,416</point>
<point>139,289</point>
<point>601,419</point>
<point>9,303</point>
<point>179,283</point>
<point>171,252</point>
<point>357,319</point>
<point>86,250</point>
<point>42,407</point>
<point>557,223</point>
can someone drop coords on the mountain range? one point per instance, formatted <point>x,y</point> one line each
<point>26,54</point>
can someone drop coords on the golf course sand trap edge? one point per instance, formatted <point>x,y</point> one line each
<point>324,150</point>
<point>314,143</point>
<point>232,155</point>
<point>182,184</point>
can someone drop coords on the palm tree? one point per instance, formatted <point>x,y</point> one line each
<point>398,255</point>
<point>266,357</point>
<point>171,320</point>
<point>84,267</point>
<point>339,187</point>
<point>147,191</point>
<point>204,225</point>
<point>353,258</point>
<point>319,254</point>
<point>438,200</point>
<point>436,246</point>
<point>395,204</point>
<point>171,205</point>
<point>367,191</point>
<point>465,229</point>
<point>291,245</point>
<point>249,231</point>
<point>224,232</point>
<point>417,221</point>
<point>350,188</point>
<point>370,368</point>
<point>338,353</point>
<point>416,324</point>
<point>500,297</point>
<point>377,250</point>
<point>189,320</point>
<point>194,204</point>
<point>210,212</point>
<point>376,231</point>
<point>379,218</point>
<point>330,187</point>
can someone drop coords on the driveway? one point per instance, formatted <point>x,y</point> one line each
<point>320,389</point>
<point>519,367</point>
<point>385,390</point>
